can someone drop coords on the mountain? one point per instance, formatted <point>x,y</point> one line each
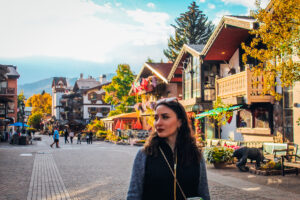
<point>45,84</point>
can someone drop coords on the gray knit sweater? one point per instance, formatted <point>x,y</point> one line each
<point>135,190</point>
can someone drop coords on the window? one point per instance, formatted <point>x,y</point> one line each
<point>187,86</point>
<point>288,113</point>
<point>196,77</point>
<point>244,119</point>
<point>261,118</point>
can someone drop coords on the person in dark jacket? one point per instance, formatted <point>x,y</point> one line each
<point>170,166</point>
<point>91,137</point>
<point>66,134</point>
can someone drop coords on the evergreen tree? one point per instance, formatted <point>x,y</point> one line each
<point>192,27</point>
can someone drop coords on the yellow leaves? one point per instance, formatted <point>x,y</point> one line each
<point>279,32</point>
<point>40,103</point>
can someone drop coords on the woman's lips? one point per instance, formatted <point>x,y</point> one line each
<point>160,130</point>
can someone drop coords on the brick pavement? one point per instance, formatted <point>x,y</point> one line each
<point>46,182</point>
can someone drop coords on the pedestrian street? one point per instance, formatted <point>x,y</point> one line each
<point>102,171</point>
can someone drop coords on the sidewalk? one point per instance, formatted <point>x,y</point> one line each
<point>270,187</point>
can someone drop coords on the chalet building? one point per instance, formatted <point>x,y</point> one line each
<point>59,88</point>
<point>152,83</point>
<point>8,95</point>
<point>215,71</point>
<point>93,104</point>
<point>84,102</point>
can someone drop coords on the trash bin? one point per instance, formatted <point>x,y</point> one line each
<point>22,140</point>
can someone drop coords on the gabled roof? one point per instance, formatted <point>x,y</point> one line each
<point>83,84</point>
<point>57,79</point>
<point>193,49</point>
<point>161,70</point>
<point>227,36</point>
<point>97,87</point>
<point>223,42</point>
<point>10,71</point>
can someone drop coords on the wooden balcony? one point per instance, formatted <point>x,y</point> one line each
<point>242,84</point>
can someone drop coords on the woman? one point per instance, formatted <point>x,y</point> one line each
<point>171,146</point>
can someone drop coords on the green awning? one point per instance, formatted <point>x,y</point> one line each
<point>216,111</point>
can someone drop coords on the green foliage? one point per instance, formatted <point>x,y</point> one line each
<point>116,93</point>
<point>34,120</point>
<point>223,116</point>
<point>21,98</point>
<point>279,34</point>
<point>192,27</point>
<point>95,126</point>
<point>101,134</point>
<point>218,154</point>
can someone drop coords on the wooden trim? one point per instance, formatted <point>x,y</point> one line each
<point>255,131</point>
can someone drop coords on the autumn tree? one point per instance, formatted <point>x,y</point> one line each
<point>276,44</point>
<point>192,27</point>
<point>40,103</point>
<point>116,93</point>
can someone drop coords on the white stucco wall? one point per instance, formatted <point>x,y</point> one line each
<point>233,62</point>
<point>229,130</point>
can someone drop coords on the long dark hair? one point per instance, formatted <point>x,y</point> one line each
<point>185,142</point>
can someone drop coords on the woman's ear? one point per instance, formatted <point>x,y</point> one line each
<point>179,123</point>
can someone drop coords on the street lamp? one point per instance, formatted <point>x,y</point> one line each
<point>23,114</point>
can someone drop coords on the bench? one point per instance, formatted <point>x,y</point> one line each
<point>290,159</point>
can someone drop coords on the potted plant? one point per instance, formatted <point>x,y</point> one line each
<point>218,156</point>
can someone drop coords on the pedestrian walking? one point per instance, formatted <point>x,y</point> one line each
<point>66,134</point>
<point>71,136</point>
<point>91,137</point>
<point>55,138</point>
<point>170,165</point>
<point>87,137</point>
<point>79,138</point>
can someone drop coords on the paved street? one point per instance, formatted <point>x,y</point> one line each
<point>102,171</point>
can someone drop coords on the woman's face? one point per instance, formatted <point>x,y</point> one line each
<point>166,122</point>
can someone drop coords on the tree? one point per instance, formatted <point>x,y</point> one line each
<point>34,120</point>
<point>192,27</point>
<point>40,103</point>
<point>20,113</point>
<point>116,93</point>
<point>278,33</point>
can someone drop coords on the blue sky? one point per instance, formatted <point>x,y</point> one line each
<point>66,37</point>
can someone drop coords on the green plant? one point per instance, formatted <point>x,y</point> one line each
<point>101,134</point>
<point>218,154</point>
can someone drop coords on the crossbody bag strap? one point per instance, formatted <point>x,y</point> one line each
<point>172,173</point>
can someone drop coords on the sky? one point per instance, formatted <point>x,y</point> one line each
<point>47,38</point>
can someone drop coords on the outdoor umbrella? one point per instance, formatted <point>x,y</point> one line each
<point>122,125</point>
<point>138,125</point>
<point>117,125</point>
<point>133,124</point>
<point>19,124</point>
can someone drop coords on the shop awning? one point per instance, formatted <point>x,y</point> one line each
<point>216,111</point>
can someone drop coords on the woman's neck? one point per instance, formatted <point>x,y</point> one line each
<point>171,140</point>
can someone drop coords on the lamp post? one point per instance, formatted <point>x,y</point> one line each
<point>23,115</point>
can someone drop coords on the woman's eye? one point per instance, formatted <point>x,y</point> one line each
<point>165,117</point>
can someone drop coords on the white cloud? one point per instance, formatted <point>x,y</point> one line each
<point>250,4</point>
<point>211,6</point>
<point>77,29</point>
<point>219,15</point>
<point>151,5</point>
<point>201,1</point>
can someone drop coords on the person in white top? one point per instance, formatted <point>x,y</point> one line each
<point>71,136</point>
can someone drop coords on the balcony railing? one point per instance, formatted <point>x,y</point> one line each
<point>7,90</point>
<point>243,84</point>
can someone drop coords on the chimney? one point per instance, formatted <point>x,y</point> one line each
<point>102,78</point>
<point>81,75</point>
